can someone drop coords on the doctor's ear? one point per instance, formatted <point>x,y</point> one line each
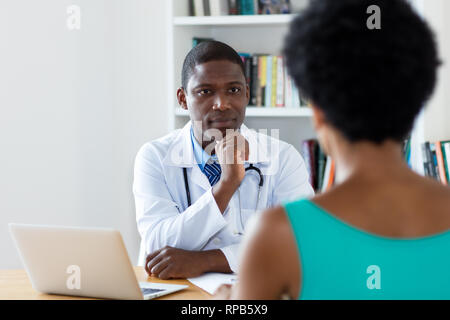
<point>181,97</point>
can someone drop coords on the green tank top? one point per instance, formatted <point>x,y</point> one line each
<point>340,262</point>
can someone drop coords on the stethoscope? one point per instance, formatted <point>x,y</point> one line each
<point>249,168</point>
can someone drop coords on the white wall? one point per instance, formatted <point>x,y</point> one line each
<point>75,106</point>
<point>437,114</point>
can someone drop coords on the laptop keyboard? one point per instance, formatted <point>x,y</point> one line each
<point>146,291</point>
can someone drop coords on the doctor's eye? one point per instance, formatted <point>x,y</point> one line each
<point>204,92</point>
<point>235,90</point>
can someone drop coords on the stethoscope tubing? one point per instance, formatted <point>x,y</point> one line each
<point>250,167</point>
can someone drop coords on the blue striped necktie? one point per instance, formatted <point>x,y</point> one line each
<point>212,172</point>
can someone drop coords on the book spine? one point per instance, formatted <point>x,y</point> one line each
<point>321,162</point>
<point>434,161</point>
<point>440,162</point>
<point>206,7</point>
<point>332,175</point>
<point>255,80</point>
<point>268,93</point>
<point>262,82</point>
<point>214,7</point>
<point>280,82</point>
<point>447,159</point>
<point>223,7</point>
<point>198,8</point>
<point>426,168</point>
<point>273,97</point>
<point>248,71</point>
<point>247,7</point>
<point>326,174</point>
<point>191,8</point>
<point>287,90</point>
<point>233,7</point>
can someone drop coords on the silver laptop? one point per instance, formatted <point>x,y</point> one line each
<point>86,262</point>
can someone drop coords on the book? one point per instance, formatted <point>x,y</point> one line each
<point>273,96</point>
<point>287,90</point>
<point>321,163</point>
<point>432,148</point>
<point>247,7</point>
<point>268,89</point>
<point>298,5</point>
<point>446,152</point>
<point>191,8</point>
<point>328,177</point>
<point>233,7</point>
<point>280,82</point>
<point>426,169</point>
<point>206,7</point>
<point>218,7</point>
<point>262,73</point>
<point>199,9</point>
<point>308,152</point>
<point>274,6</point>
<point>254,81</point>
<point>440,163</point>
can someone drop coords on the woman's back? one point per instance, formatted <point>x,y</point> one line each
<point>376,236</point>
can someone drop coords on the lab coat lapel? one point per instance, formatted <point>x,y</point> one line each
<point>199,178</point>
<point>181,154</point>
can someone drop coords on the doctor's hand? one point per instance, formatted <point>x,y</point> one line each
<point>232,151</point>
<point>169,262</point>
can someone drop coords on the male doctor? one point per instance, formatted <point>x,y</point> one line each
<point>192,191</point>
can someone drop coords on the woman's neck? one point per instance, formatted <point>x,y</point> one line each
<point>367,159</point>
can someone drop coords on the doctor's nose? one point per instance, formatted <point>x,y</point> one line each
<point>221,104</point>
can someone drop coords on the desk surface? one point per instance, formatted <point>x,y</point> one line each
<point>15,285</point>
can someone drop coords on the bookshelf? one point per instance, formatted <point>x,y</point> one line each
<point>245,33</point>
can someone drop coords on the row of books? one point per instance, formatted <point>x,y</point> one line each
<point>244,7</point>
<point>269,82</point>
<point>436,160</point>
<point>321,168</point>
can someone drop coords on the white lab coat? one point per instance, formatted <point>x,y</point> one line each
<point>162,213</point>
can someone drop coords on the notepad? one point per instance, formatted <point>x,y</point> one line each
<point>210,282</point>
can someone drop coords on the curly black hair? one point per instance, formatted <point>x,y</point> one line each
<point>206,51</point>
<point>370,84</point>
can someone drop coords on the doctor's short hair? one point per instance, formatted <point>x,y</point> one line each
<point>206,51</point>
<point>370,83</point>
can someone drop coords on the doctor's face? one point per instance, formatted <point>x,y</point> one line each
<point>216,97</point>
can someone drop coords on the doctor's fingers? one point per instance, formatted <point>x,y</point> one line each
<point>231,149</point>
<point>160,267</point>
<point>152,259</point>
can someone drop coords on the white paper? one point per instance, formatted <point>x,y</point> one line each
<point>210,282</point>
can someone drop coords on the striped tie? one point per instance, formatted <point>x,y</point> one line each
<point>212,172</point>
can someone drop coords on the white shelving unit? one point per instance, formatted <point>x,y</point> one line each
<point>250,34</point>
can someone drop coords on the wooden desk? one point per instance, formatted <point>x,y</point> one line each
<point>15,285</point>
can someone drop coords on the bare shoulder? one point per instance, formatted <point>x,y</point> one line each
<point>274,221</point>
<point>278,249</point>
